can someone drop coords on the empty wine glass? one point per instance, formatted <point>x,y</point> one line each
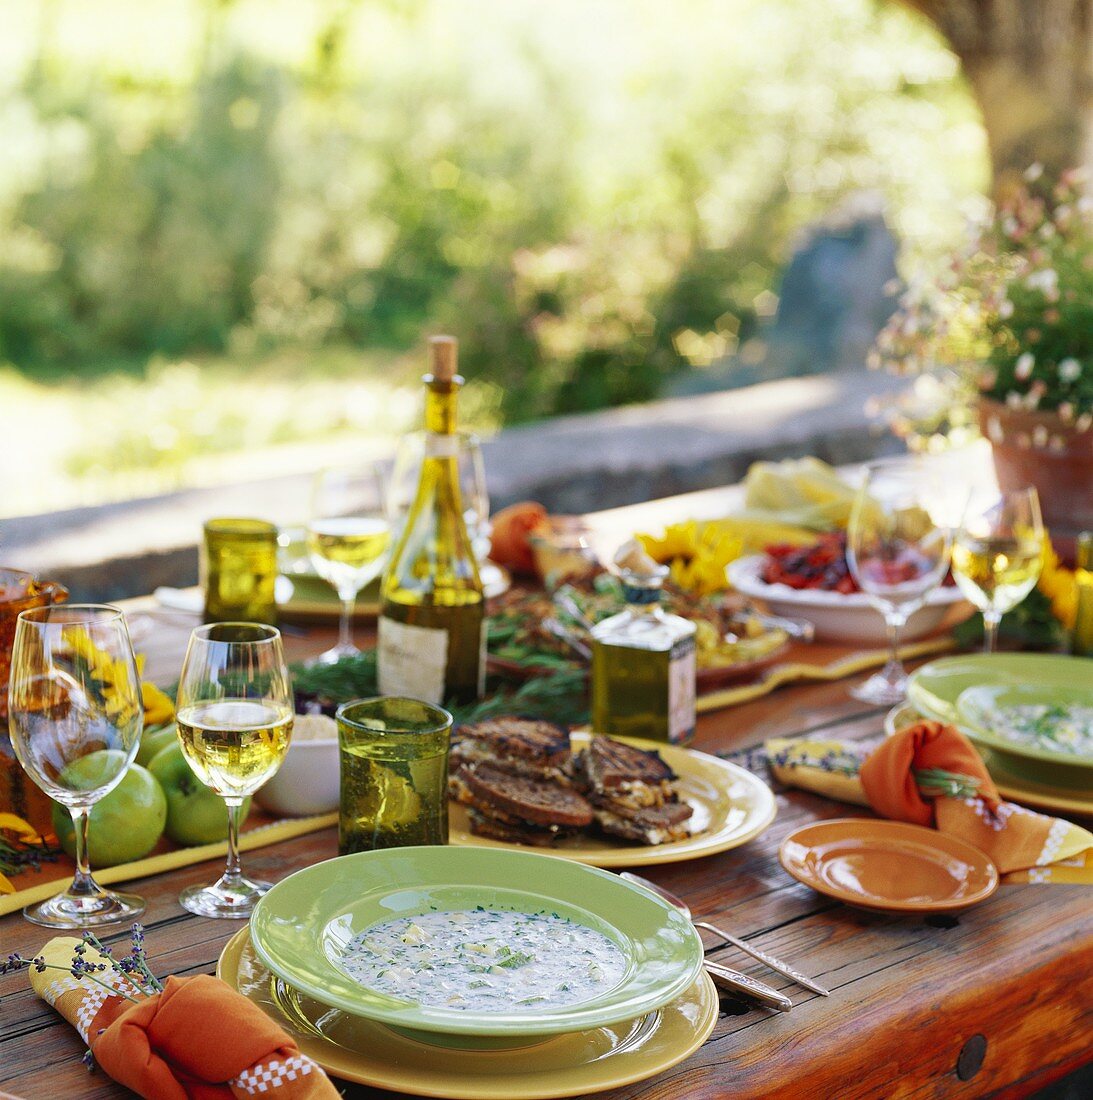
<point>998,554</point>
<point>348,541</point>
<point>898,554</point>
<point>234,719</point>
<point>75,717</point>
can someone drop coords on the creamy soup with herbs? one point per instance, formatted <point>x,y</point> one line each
<point>1058,727</point>
<point>485,960</point>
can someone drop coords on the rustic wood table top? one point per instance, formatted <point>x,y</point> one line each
<point>994,1001</point>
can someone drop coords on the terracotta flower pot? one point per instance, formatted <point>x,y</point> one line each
<point>1040,449</point>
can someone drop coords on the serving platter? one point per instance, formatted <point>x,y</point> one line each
<point>839,616</point>
<point>356,1049</point>
<point>889,866</point>
<point>731,806</point>
<point>300,930</point>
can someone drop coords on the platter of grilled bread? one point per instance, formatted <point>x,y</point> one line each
<point>607,801</point>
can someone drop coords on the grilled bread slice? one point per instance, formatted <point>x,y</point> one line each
<point>489,826</point>
<point>630,776</point>
<point>651,825</point>
<point>519,746</point>
<point>541,803</point>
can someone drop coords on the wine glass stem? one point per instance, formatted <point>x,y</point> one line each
<point>893,624</point>
<point>83,885</point>
<point>991,620</point>
<point>345,627</point>
<point>233,872</point>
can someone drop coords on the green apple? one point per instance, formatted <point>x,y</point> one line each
<point>124,824</point>
<point>153,740</point>
<point>195,814</point>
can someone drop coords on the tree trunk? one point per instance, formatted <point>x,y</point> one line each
<point>1030,66</point>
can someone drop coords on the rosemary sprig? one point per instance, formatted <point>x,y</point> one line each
<point>559,696</point>
<point>937,781</point>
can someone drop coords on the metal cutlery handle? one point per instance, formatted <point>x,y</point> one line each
<point>782,968</point>
<point>736,982</point>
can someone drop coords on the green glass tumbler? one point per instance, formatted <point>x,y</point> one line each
<point>394,774</point>
<point>239,571</point>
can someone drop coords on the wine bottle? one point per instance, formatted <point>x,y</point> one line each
<point>432,638</point>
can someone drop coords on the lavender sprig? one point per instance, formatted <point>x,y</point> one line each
<point>116,965</point>
<point>79,968</point>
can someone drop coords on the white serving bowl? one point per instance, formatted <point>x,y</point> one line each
<point>308,781</point>
<point>836,616</point>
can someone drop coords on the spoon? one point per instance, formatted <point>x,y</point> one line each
<point>775,964</point>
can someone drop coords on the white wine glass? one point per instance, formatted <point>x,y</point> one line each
<point>999,554</point>
<point>348,541</point>
<point>473,491</point>
<point>75,718</point>
<point>898,553</point>
<point>234,715</point>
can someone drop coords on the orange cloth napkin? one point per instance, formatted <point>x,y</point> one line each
<point>1013,837</point>
<point>197,1040</point>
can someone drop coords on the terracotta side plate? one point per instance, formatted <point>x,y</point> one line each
<point>888,865</point>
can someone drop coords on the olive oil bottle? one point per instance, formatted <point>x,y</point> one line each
<point>643,660</point>
<point>432,637</point>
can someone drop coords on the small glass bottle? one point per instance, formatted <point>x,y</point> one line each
<point>1082,642</point>
<point>643,660</point>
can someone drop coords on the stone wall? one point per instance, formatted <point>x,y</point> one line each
<point>571,464</point>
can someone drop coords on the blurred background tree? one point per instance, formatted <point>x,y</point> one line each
<point>1030,65</point>
<point>596,196</point>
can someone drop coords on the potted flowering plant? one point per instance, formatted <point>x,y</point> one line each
<point>1013,314</point>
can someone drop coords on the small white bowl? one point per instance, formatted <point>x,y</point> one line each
<point>308,781</point>
<point>839,617</point>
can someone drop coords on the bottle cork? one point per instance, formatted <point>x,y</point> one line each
<point>443,357</point>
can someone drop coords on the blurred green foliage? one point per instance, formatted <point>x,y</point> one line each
<point>594,196</point>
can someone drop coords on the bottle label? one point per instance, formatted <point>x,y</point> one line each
<point>411,660</point>
<point>681,690</point>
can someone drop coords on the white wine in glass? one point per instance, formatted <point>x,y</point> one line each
<point>234,719</point>
<point>75,719</point>
<point>998,555</point>
<point>348,540</point>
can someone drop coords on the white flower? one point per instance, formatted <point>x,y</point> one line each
<point>1024,365</point>
<point>1070,370</point>
<point>1033,172</point>
<point>1005,308</point>
<point>1045,280</point>
<point>1014,400</point>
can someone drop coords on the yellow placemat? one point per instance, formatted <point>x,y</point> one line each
<point>258,837</point>
<point>838,665</point>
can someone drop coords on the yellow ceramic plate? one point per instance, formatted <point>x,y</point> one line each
<point>1015,787</point>
<point>731,807</point>
<point>888,865</point>
<point>356,1049</point>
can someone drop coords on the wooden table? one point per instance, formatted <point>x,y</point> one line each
<point>997,1001</point>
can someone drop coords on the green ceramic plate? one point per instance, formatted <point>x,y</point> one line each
<point>961,690</point>
<point>301,927</point>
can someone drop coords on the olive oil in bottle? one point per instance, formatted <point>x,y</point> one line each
<point>432,622</point>
<point>643,660</point>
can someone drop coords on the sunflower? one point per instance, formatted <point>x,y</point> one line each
<point>696,556</point>
<point>1060,585</point>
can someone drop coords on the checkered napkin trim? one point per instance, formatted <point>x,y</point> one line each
<point>267,1076</point>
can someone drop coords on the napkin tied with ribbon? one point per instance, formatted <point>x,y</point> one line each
<point>1024,845</point>
<point>197,1040</point>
